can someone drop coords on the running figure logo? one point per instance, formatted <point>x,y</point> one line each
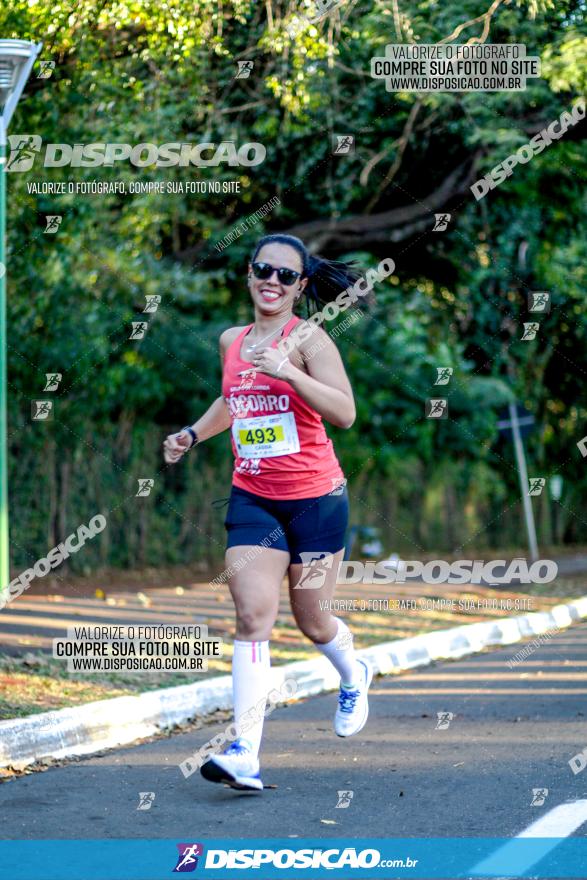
<point>315,567</point>
<point>46,69</point>
<point>539,301</point>
<point>41,410</point>
<point>53,222</point>
<point>436,408</point>
<point>188,857</point>
<point>337,486</point>
<point>53,380</point>
<point>23,149</point>
<point>444,719</point>
<point>343,144</point>
<point>139,328</point>
<point>530,331</point>
<point>145,487</point>
<point>245,69</point>
<point>441,222</point>
<point>344,799</point>
<point>324,6</point>
<point>539,795</point>
<point>537,484</point>
<point>146,799</point>
<point>153,303</point>
<point>444,374</point>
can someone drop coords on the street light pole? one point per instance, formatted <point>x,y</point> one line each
<point>16,60</point>
<point>523,475</point>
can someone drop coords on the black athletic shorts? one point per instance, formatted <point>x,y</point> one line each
<point>302,525</point>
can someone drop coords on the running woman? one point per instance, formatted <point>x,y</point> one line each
<point>289,502</point>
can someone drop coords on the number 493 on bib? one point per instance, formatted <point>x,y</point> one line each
<point>266,436</point>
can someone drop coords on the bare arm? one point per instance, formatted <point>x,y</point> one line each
<point>215,420</point>
<point>324,384</point>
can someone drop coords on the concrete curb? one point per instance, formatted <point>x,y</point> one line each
<point>107,724</point>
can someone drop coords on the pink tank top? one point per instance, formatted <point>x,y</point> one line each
<point>279,443</point>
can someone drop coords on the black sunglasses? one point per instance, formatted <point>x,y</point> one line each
<point>285,276</point>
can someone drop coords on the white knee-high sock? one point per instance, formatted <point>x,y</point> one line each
<point>250,684</point>
<point>341,653</point>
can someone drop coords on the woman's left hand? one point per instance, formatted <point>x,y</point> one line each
<point>271,362</point>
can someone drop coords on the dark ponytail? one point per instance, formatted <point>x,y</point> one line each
<point>326,278</point>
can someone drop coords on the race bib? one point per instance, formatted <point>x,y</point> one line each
<point>266,436</point>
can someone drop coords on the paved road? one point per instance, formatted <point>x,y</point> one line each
<point>513,730</point>
<point>32,622</point>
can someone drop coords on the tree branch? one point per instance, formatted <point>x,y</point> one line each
<point>402,144</point>
<point>485,18</point>
<point>395,225</point>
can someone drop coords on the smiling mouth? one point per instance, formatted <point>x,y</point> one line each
<point>268,294</point>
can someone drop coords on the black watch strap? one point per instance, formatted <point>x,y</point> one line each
<point>192,434</point>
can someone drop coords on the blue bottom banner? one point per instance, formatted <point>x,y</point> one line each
<point>268,859</point>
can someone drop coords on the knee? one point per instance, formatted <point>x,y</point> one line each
<point>252,626</point>
<point>320,631</point>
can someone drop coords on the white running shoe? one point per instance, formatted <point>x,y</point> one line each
<point>237,766</point>
<point>353,705</point>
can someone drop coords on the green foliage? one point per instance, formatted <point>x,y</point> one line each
<point>148,71</point>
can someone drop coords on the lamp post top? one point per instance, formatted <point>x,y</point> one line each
<point>22,48</point>
<point>16,61</point>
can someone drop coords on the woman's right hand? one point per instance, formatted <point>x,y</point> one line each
<point>175,445</point>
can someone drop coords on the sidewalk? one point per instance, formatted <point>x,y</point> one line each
<point>513,730</point>
<point>40,739</point>
<point>33,681</point>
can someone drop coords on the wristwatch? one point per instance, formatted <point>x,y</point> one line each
<point>192,434</point>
